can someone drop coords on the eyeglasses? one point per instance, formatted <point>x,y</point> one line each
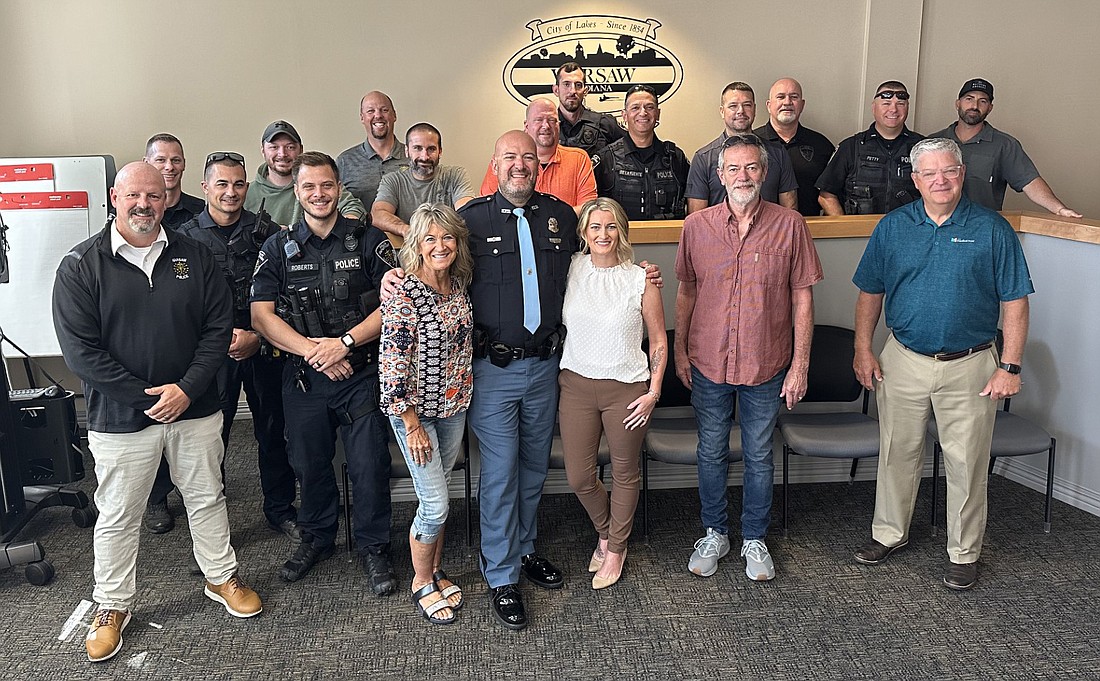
<point>219,156</point>
<point>743,139</point>
<point>902,95</point>
<point>949,173</point>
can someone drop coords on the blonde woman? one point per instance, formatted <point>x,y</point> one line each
<point>426,384</point>
<point>608,385</point>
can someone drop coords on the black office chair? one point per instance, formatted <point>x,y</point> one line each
<point>673,436</point>
<point>1012,436</point>
<point>832,435</point>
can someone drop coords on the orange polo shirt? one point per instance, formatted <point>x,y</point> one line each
<point>567,176</point>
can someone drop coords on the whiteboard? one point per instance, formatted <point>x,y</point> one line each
<point>38,239</point>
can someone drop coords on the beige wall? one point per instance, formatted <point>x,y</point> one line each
<point>92,76</point>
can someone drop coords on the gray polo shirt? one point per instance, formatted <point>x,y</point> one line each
<point>406,193</point>
<point>993,160</point>
<point>361,169</point>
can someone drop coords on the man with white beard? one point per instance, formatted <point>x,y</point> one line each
<point>749,265</point>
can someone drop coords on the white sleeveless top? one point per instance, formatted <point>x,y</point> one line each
<point>603,318</point>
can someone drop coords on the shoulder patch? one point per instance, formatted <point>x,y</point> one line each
<point>595,160</point>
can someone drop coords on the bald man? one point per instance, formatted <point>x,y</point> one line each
<point>362,166</point>
<point>809,150</point>
<point>516,232</point>
<point>565,172</point>
<point>148,368</point>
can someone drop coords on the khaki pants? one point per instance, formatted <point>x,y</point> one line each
<point>589,407</point>
<point>125,465</point>
<point>913,388</point>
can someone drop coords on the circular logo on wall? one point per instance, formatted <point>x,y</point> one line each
<point>615,52</point>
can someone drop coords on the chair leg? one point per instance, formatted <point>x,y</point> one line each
<point>645,495</point>
<point>1050,485</point>
<point>602,472</point>
<point>992,461</point>
<point>347,506</point>
<point>852,473</point>
<point>469,508</point>
<point>935,484</point>
<point>786,488</point>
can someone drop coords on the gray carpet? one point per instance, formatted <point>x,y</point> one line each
<point>1033,615</point>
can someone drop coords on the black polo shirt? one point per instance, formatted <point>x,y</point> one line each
<point>497,288</point>
<point>810,152</point>
<point>186,208</point>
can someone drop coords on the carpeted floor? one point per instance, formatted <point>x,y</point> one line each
<point>1033,615</point>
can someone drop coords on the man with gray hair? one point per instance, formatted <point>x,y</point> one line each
<point>946,269</point>
<point>747,266</point>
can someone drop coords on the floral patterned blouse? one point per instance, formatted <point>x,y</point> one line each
<point>427,351</point>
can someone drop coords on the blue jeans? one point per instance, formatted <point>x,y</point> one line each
<point>431,480</point>
<point>713,403</point>
<point>512,414</point>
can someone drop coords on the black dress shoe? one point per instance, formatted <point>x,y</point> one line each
<point>157,518</point>
<point>289,527</point>
<point>541,572</point>
<point>305,557</point>
<point>875,553</point>
<point>960,576</point>
<point>506,602</point>
<point>379,569</point>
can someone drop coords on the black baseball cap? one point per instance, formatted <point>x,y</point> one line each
<point>280,128</point>
<point>978,85</point>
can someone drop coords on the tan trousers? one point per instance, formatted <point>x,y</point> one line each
<point>587,408</point>
<point>913,388</point>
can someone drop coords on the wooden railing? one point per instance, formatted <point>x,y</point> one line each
<point>849,226</point>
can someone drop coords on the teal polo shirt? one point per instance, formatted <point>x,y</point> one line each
<point>943,285</point>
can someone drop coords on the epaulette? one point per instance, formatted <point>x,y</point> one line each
<point>476,202</point>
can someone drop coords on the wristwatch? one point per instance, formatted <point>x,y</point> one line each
<point>349,343</point>
<point>1010,368</point>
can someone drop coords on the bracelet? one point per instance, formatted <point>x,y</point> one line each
<point>410,432</point>
<point>656,395</point>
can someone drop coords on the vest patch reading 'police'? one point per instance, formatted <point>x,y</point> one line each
<point>302,267</point>
<point>353,262</point>
<point>181,268</point>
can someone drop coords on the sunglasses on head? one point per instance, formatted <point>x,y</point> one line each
<point>218,156</point>
<point>902,95</point>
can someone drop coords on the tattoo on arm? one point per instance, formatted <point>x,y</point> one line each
<point>657,361</point>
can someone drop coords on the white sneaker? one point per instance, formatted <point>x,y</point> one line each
<point>758,562</point>
<point>708,551</point>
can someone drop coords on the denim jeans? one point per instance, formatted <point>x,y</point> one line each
<point>431,480</point>
<point>713,403</point>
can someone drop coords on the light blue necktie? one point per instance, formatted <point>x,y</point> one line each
<point>532,313</point>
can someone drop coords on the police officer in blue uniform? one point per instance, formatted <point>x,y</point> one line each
<point>522,243</point>
<point>235,236</point>
<point>646,175</point>
<point>870,173</point>
<point>315,296</point>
